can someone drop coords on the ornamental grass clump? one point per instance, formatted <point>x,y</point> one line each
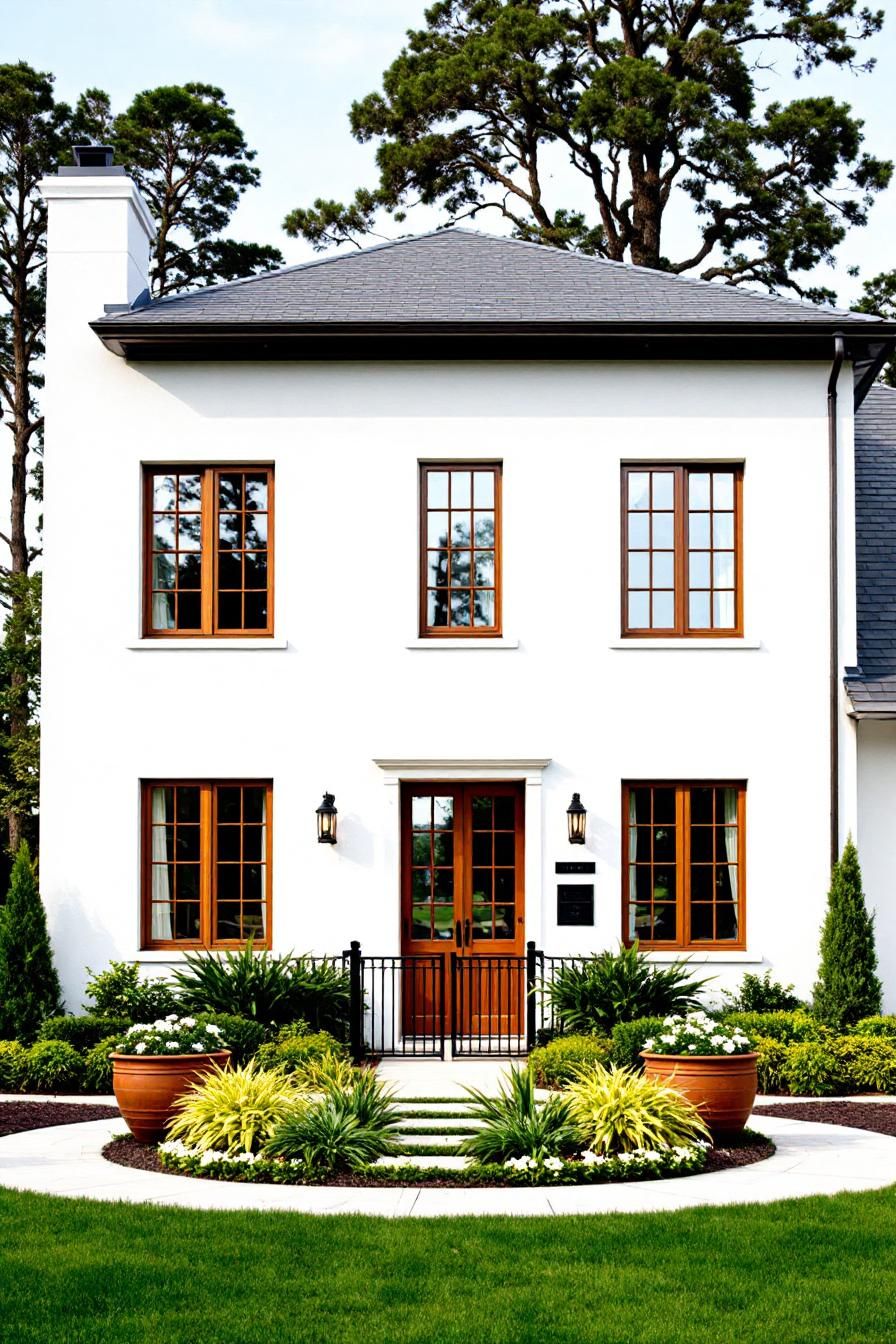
<point>515,1124</point>
<point>345,1129</point>
<point>235,1110</point>
<point>619,1110</point>
<point>172,1035</point>
<point>697,1034</point>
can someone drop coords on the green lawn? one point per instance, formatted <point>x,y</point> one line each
<point>75,1272</point>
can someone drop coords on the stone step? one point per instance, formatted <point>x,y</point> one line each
<point>411,1141</point>
<point>447,1162</point>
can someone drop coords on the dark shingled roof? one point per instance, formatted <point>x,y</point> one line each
<point>459,275</point>
<point>872,688</point>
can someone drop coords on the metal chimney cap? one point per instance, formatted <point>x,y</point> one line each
<point>92,156</point>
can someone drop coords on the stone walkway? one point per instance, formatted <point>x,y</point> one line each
<point>812,1159</point>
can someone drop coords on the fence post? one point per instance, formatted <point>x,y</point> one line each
<point>531,955</point>
<point>355,1003</point>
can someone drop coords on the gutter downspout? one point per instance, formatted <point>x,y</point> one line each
<point>834,602</point>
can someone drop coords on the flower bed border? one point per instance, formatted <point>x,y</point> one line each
<point>611,1171</point>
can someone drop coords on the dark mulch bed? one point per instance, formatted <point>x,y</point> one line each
<point>877,1116</point>
<point>129,1153</point>
<point>17,1116</point>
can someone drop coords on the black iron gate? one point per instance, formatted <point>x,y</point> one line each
<point>409,1006</point>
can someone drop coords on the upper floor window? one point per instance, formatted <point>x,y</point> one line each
<point>208,551</point>
<point>683,864</point>
<point>681,529</point>
<point>460,547</point>
<point>206,864</point>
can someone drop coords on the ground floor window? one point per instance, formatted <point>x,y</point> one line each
<point>683,864</point>
<point>206,863</point>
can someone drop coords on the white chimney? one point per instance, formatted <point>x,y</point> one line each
<point>99,232</point>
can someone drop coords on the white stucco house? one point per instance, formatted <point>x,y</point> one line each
<point>546,527</point>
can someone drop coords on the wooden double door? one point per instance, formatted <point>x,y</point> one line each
<point>463,893</point>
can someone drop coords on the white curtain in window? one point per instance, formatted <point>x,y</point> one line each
<point>632,856</point>
<point>161,887</point>
<point>729,806</point>
<point>264,864</point>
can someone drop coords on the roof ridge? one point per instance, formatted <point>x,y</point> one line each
<point>556,254</point>
<point>308,265</point>
<point>669,275</point>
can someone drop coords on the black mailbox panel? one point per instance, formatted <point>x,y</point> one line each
<point>575,903</point>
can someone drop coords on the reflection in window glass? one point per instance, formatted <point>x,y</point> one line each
<point>460,563</point>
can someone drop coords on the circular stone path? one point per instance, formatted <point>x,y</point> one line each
<point>811,1159</point>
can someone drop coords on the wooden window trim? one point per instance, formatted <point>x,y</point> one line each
<point>459,631</point>
<point>681,629</point>
<point>682,941</point>
<point>210,475</point>
<point>207,859</point>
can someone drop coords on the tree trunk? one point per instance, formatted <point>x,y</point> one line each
<point>647,208</point>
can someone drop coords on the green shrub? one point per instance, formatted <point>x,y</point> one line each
<point>342,1131</point>
<point>29,985</point>
<point>243,1036</point>
<point>868,1063</point>
<point>234,1110</point>
<point>618,1110</point>
<point>592,995</point>
<point>556,1063</point>
<point>848,988</point>
<point>266,988</point>
<point>294,1052</point>
<point>98,1066</point>
<point>770,1061</point>
<point>515,1124</point>
<point>812,1069</point>
<point>761,994</point>
<point>52,1066</point>
<point>875,1026</point>
<point>787,1027</point>
<point>12,1066</point>
<point>82,1032</point>
<point>628,1040</point>
<point>120,992</point>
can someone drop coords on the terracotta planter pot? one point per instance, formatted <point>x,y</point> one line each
<point>722,1087</point>
<point>147,1086</point>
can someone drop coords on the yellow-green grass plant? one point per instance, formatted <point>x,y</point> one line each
<point>325,1073</point>
<point>235,1110</point>
<point>617,1110</point>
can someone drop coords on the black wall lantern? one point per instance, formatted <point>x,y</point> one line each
<point>575,818</point>
<point>326,821</point>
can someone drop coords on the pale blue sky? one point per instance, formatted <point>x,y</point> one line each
<point>291,68</point>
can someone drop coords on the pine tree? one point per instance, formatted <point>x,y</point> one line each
<point>848,987</point>
<point>29,985</point>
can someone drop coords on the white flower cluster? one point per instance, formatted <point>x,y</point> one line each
<point>529,1163</point>
<point>171,1035</point>
<point>697,1034</point>
<point>183,1154</point>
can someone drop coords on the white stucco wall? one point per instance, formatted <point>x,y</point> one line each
<point>340,686</point>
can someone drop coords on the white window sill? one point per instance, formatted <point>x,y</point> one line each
<point>231,644</point>
<point>713,956</point>
<point>667,644</point>
<point>498,642</point>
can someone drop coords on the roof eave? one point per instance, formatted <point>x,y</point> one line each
<point>136,340</point>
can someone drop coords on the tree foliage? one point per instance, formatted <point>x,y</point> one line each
<point>29,985</point>
<point>879,298</point>
<point>848,988</point>
<point>648,100</point>
<point>183,147</point>
<point>34,135</point>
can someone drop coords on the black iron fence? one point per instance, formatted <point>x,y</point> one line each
<point>410,1005</point>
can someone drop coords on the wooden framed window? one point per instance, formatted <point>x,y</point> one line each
<point>683,864</point>
<point>206,863</point>
<point>460,549</point>
<point>208,551</point>
<point>682,550</point>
